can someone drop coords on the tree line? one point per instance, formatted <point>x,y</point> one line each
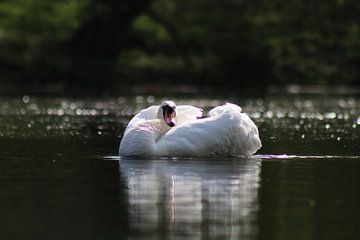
<point>101,43</point>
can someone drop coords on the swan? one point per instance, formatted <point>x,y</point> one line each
<point>181,131</point>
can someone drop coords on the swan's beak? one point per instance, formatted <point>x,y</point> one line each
<point>169,117</point>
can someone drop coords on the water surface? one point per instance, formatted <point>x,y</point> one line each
<point>60,176</point>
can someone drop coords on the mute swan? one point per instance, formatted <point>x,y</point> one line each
<point>180,131</point>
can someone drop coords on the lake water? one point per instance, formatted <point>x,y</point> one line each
<point>61,178</point>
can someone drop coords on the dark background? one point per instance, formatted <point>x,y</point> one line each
<point>107,46</point>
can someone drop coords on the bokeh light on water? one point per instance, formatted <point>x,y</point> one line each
<point>309,118</point>
<point>289,118</point>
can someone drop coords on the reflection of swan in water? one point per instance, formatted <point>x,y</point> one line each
<point>170,130</point>
<point>197,198</point>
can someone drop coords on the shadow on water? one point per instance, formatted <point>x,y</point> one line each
<point>54,189</point>
<point>309,197</point>
<point>200,199</point>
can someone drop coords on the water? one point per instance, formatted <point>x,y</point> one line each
<point>61,178</point>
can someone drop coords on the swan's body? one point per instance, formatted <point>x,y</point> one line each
<point>226,132</point>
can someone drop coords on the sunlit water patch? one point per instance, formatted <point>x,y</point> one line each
<point>290,123</point>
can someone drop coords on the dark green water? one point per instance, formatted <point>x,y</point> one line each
<point>60,177</point>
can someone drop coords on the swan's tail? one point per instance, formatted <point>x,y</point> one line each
<point>248,136</point>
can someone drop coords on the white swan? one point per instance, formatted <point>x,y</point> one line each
<point>179,131</point>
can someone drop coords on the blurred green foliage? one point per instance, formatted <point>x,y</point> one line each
<point>28,27</point>
<point>237,42</point>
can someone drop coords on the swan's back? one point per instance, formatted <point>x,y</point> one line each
<point>187,113</point>
<point>227,133</point>
<point>228,107</point>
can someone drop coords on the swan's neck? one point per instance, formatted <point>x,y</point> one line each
<point>160,128</point>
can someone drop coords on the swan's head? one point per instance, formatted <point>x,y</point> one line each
<point>167,111</point>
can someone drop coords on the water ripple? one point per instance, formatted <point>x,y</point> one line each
<point>286,156</point>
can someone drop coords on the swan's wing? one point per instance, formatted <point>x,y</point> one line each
<point>145,114</point>
<point>187,113</point>
<point>229,134</point>
<point>223,108</point>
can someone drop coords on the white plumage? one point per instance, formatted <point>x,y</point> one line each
<point>225,132</point>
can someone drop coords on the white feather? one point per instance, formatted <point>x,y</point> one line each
<point>226,132</point>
